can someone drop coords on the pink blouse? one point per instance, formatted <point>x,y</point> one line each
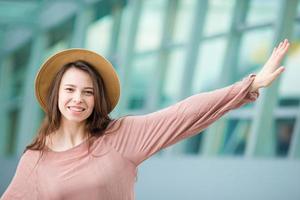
<point>109,171</point>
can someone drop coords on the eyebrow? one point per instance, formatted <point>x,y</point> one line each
<point>71,85</point>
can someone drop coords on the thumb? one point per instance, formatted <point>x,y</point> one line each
<point>277,72</point>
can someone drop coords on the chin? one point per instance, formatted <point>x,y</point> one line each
<point>77,119</point>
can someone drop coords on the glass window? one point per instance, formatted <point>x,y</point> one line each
<point>20,64</point>
<point>173,76</point>
<point>98,35</point>
<point>59,46</point>
<point>291,75</point>
<point>256,47</point>
<point>13,116</point>
<point>183,22</point>
<point>209,65</point>
<point>284,131</point>
<point>142,75</point>
<point>262,11</point>
<point>219,16</point>
<point>298,10</point>
<point>235,137</point>
<point>150,25</point>
<point>18,9</point>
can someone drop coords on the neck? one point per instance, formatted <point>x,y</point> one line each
<point>68,135</point>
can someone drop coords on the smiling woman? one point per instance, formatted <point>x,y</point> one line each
<point>76,99</point>
<point>80,153</point>
<point>71,99</point>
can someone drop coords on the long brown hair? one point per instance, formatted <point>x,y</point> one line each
<point>96,123</point>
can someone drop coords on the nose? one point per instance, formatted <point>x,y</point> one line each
<point>77,97</point>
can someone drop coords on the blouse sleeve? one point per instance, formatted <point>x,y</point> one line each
<point>23,184</point>
<point>139,137</point>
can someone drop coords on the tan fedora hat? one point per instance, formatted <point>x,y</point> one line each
<point>54,63</point>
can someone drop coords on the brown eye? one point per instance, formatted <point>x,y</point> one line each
<point>69,89</point>
<point>89,93</point>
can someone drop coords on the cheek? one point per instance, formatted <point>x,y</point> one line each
<point>91,103</point>
<point>62,100</point>
<point>60,104</point>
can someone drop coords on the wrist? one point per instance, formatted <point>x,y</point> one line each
<point>255,85</point>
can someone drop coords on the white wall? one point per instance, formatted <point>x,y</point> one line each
<point>194,178</point>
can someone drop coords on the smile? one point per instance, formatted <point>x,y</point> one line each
<point>76,109</point>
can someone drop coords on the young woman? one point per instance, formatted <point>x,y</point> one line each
<point>80,153</point>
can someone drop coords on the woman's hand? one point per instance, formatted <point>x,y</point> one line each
<point>270,70</point>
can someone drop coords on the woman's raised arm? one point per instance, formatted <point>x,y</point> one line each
<point>271,69</point>
<point>139,137</point>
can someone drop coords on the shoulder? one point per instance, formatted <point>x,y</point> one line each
<point>30,155</point>
<point>29,160</point>
<point>117,128</point>
<point>117,124</point>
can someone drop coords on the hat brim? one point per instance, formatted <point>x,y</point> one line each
<point>52,65</point>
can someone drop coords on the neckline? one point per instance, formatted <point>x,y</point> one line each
<point>78,146</point>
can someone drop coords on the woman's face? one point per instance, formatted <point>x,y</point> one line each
<point>76,95</point>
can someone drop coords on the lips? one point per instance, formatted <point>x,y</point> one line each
<point>76,108</point>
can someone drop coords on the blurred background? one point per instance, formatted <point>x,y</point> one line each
<point>165,51</point>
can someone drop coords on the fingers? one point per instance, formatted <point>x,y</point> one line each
<point>277,72</point>
<point>273,76</point>
<point>286,47</point>
<point>283,46</point>
<point>280,45</point>
<point>280,51</point>
<point>274,51</point>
